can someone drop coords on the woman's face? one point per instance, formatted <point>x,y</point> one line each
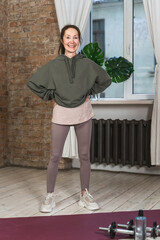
<point>71,41</point>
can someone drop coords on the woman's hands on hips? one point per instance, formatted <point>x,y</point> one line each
<point>87,98</point>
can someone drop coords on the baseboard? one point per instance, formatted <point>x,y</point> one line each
<point>120,168</point>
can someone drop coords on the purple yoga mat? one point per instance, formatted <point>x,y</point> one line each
<point>68,227</point>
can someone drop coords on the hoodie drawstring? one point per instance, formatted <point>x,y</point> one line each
<point>73,68</point>
<point>70,70</point>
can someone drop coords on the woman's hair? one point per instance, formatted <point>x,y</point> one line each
<point>61,49</point>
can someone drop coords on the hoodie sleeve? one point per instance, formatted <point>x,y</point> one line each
<point>102,80</point>
<point>42,84</point>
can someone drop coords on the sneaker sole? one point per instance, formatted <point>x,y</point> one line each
<point>48,210</point>
<point>82,204</point>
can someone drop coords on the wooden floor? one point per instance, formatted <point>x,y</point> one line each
<point>22,191</point>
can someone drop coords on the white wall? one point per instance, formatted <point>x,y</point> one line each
<point>123,110</point>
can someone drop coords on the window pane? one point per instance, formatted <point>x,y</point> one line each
<point>98,33</point>
<point>144,61</point>
<point>107,25</point>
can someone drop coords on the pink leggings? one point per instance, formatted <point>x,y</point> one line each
<point>59,134</point>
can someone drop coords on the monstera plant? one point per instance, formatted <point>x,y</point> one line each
<point>119,68</point>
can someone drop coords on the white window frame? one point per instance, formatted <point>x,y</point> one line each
<point>128,52</point>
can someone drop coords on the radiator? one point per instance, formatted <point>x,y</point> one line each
<point>125,142</point>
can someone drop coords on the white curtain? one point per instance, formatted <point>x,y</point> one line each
<point>152,11</point>
<point>75,12</point>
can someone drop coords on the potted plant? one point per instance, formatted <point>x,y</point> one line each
<point>119,68</point>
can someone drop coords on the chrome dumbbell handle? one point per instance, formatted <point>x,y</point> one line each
<point>151,228</point>
<point>104,229</point>
<point>117,230</point>
<point>125,231</point>
<point>124,225</point>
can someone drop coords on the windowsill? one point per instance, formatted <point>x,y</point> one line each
<point>121,101</point>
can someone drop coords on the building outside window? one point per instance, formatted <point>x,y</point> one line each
<point>120,28</point>
<point>98,33</point>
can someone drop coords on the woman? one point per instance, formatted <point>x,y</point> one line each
<point>68,80</point>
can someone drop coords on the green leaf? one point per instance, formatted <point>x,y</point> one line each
<point>94,52</point>
<point>119,69</point>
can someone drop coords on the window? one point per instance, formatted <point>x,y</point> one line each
<point>120,28</point>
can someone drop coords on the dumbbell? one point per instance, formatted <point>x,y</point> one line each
<point>113,230</point>
<point>129,227</point>
<point>154,230</point>
<point>130,224</point>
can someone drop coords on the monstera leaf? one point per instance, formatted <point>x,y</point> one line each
<point>94,52</point>
<point>119,69</point>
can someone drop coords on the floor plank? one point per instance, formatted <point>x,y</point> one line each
<point>23,189</point>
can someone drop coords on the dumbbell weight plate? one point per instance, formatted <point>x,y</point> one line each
<point>130,224</point>
<point>112,231</point>
<point>154,230</point>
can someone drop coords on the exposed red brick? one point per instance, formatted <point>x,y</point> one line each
<point>3,82</point>
<point>49,20</point>
<point>29,39</point>
<point>32,41</point>
<point>13,24</point>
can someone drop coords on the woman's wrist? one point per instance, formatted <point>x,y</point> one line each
<point>87,98</point>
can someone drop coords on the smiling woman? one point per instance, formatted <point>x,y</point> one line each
<point>68,80</point>
<point>70,41</point>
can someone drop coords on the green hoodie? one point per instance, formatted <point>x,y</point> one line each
<point>69,80</point>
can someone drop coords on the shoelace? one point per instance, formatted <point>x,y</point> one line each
<point>89,195</point>
<point>49,195</point>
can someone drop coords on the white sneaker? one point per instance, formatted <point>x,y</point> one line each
<point>87,201</point>
<point>48,203</point>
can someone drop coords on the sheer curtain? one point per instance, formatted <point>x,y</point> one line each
<point>152,11</point>
<point>75,12</point>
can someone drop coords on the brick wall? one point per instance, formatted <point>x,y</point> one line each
<point>3,82</point>
<point>33,39</point>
